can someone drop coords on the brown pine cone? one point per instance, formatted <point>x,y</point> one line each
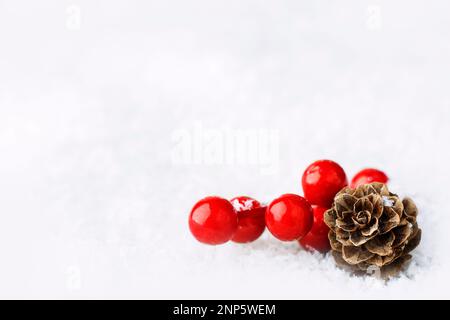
<point>372,228</point>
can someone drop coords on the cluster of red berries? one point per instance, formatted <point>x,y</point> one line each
<point>290,217</point>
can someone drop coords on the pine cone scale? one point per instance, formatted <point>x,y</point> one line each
<point>414,242</point>
<point>355,255</point>
<point>371,228</point>
<point>381,245</point>
<point>402,234</point>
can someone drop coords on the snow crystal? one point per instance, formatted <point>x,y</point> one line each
<point>388,202</point>
<point>245,205</point>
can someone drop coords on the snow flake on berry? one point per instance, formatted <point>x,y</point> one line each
<point>244,205</point>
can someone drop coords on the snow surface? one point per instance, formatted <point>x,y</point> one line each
<point>106,124</point>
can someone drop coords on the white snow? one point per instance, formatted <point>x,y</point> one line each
<point>242,205</point>
<point>388,202</point>
<point>96,109</point>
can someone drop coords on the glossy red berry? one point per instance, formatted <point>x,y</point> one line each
<point>251,221</point>
<point>317,238</point>
<point>289,217</point>
<point>213,220</point>
<point>321,181</point>
<point>367,176</point>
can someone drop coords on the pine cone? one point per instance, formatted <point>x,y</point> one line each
<point>371,227</point>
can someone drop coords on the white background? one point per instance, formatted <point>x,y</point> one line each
<point>92,93</point>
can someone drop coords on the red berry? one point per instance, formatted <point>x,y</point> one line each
<point>321,181</point>
<point>367,176</point>
<point>213,220</point>
<point>289,217</point>
<point>317,238</point>
<point>251,223</point>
